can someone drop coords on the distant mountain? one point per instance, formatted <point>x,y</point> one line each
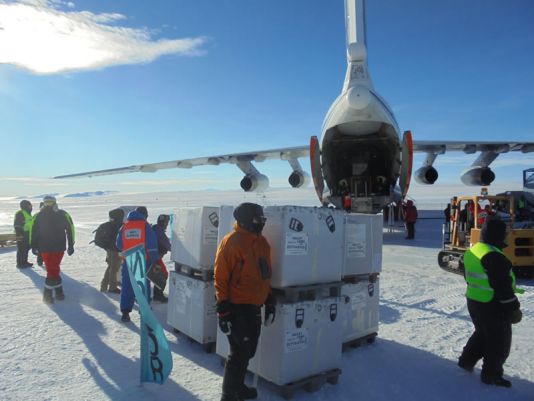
<point>37,196</point>
<point>88,194</point>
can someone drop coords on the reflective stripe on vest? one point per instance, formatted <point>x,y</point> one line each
<point>478,286</point>
<point>133,233</point>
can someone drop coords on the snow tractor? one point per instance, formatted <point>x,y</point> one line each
<point>468,214</point>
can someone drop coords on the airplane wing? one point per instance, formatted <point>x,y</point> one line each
<point>431,147</point>
<point>471,146</point>
<point>235,158</point>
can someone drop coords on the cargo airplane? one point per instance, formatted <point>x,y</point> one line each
<point>361,156</point>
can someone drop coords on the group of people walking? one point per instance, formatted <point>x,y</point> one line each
<point>242,276</point>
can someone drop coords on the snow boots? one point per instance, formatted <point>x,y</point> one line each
<point>24,265</point>
<point>47,296</point>
<point>465,366</point>
<point>499,382</point>
<point>248,393</point>
<point>125,317</point>
<point>159,296</point>
<point>60,295</point>
<point>53,284</point>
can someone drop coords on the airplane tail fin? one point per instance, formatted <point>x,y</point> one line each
<point>357,73</point>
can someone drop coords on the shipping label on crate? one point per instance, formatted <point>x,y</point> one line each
<point>211,229</point>
<point>295,340</point>
<point>355,240</point>
<point>296,244</point>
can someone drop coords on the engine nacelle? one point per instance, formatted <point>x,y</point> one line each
<point>298,179</point>
<point>426,175</point>
<point>478,176</point>
<point>254,182</point>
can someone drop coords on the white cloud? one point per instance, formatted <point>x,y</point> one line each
<point>40,36</point>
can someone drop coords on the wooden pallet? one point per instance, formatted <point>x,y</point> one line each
<point>310,384</point>
<point>308,292</point>
<point>369,339</point>
<point>355,279</point>
<point>8,240</point>
<point>209,348</point>
<point>200,274</point>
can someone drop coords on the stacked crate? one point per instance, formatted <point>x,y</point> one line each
<point>191,308</point>
<point>362,264</point>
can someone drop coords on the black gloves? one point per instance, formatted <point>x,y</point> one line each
<point>70,250</point>
<point>517,315</point>
<point>35,251</point>
<point>270,310</point>
<point>224,313</point>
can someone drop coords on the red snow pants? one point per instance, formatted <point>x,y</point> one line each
<point>52,261</point>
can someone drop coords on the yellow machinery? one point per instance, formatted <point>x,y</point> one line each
<point>468,213</point>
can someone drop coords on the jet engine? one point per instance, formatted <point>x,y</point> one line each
<point>426,175</point>
<point>254,182</point>
<point>478,176</point>
<point>298,179</point>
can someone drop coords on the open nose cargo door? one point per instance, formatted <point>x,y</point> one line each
<point>407,163</point>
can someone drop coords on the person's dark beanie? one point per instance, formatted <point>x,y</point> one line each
<point>143,210</point>
<point>245,212</point>
<point>493,232</point>
<point>25,205</point>
<point>116,214</point>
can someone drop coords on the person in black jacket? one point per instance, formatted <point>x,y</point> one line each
<point>52,228</point>
<point>492,304</point>
<point>22,224</point>
<point>110,281</point>
<point>164,246</point>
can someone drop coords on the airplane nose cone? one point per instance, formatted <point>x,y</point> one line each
<point>358,97</point>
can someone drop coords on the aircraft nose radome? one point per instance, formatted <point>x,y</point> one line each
<point>358,97</point>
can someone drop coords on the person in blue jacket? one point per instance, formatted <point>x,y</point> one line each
<point>135,231</point>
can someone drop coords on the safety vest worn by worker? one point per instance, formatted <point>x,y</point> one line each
<point>28,220</point>
<point>133,234</point>
<point>478,286</point>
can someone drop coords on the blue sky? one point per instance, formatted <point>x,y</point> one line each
<point>89,85</point>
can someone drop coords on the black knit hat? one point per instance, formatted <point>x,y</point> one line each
<point>25,205</point>
<point>143,210</point>
<point>116,214</point>
<point>493,232</point>
<point>245,212</point>
<point>163,219</point>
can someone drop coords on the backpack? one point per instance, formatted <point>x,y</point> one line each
<point>104,236</point>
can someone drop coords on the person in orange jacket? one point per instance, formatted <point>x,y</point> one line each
<point>242,285</point>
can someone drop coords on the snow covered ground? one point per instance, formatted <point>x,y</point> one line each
<point>79,350</point>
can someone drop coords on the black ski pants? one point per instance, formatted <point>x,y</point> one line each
<point>491,340</point>
<point>243,339</point>
<point>23,247</point>
<point>410,229</point>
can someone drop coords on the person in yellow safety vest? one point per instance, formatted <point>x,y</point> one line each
<point>492,304</point>
<point>23,224</point>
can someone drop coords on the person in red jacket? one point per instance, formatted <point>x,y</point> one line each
<point>242,285</point>
<point>410,217</point>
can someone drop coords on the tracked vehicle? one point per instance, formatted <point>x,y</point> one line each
<point>468,214</point>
